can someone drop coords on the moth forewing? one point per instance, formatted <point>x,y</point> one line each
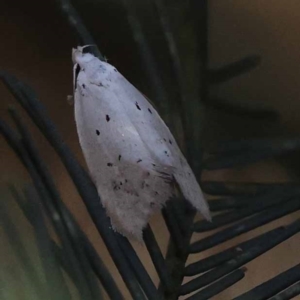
<point>131,154</point>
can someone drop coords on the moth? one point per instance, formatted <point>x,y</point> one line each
<point>131,154</point>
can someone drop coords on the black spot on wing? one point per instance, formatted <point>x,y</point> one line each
<point>115,186</point>
<point>97,132</point>
<point>83,86</point>
<point>166,176</point>
<point>150,111</point>
<point>120,156</point>
<point>109,164</point>
<point>107,118</point>
<point>145,184</point>
<point>138,161</point>
<point>137,106</point>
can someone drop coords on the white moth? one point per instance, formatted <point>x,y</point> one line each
<point>131,154</point>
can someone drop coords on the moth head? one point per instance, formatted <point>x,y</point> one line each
<point>93,67</point>
<point>81,58</point>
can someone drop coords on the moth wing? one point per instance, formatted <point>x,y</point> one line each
<point>131,154</point>
<point>162,145</point>
<point>128,177</point>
